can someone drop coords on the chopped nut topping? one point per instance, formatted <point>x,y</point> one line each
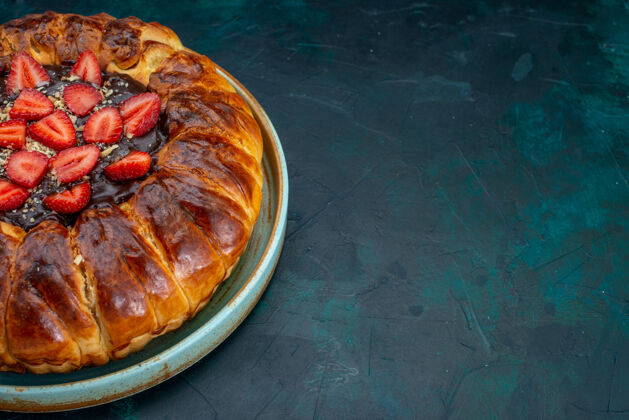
<point>33,145</point>
<point>108,151</point>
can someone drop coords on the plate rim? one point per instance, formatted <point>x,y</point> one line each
<point>172,361</point>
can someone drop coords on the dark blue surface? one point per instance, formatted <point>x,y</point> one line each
<point>457,243</point>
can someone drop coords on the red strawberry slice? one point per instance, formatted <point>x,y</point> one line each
<point>25,72</point>
<point>27,168</point>
<point>69,201</point>
<point>31,105</point>
<point>86,67</point>
<point>55,131</point>
<point>140,113</point>
<point>13,134</point>
<point>71,164</point>
<point>81,98</point>
<point>104,126</point>
<point>134,165</point>
<point>11,196</point>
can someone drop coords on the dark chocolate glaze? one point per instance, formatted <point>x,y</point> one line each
<point>104,191</point>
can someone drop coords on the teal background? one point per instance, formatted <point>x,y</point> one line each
<point>457,244</point>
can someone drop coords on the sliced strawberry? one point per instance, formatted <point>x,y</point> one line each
<point>13,134</point>
<point>11,196</point>
<point>71,164</point>
<point>25,72</point>
<point>104,126</point>
<point>134,165</point>
<point>27,168</point>
<point>140,113</point>
<point>81,98</point>
<point>55,131</point>
<point>69,201</point>
<point>31,105</point>
<point>86,67</point>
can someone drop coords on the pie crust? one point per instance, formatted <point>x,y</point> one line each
<point>125,274</point>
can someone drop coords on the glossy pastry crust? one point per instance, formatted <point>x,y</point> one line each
<point>127,273</point>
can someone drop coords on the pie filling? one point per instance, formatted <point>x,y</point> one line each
<point>115,89</point>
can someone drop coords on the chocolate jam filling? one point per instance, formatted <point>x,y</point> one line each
<point>104,191</point>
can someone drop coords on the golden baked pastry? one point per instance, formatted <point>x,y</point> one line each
<point>84,290</point>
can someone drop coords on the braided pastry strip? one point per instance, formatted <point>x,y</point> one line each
<point>125,274</point>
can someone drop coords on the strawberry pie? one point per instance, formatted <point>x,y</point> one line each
<point>130,181</point>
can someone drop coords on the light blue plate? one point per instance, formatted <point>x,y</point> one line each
<point>171,353</point>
